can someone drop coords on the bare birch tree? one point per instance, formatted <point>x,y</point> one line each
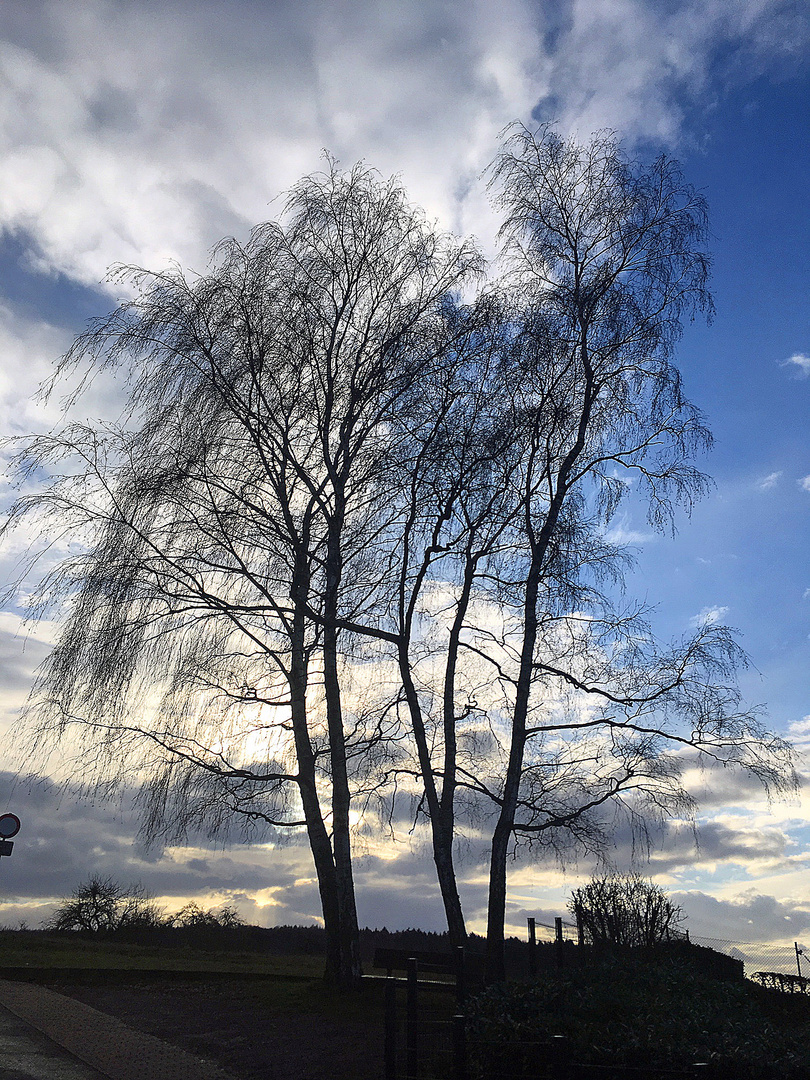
<point>229,522</point>
<point>607,257</point>
<point>328,459</point>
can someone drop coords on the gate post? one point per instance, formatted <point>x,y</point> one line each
<point>461,980</point>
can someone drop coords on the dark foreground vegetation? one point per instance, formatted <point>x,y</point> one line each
<point>641,1012</point>
<point>253,1000</point>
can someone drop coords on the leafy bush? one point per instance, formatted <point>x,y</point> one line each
<point>626,1011</point>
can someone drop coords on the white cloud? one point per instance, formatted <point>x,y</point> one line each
<point>143,132</point>
<point>631,65</point>
<point>621,535</point>
<point>28,350</point>
<point>769,481</point>
<point>146,132</point>
<point>804,483</point>
<point>801,363</point>
<point>707,616</point>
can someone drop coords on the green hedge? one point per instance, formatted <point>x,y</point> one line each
<point>636,1012</point>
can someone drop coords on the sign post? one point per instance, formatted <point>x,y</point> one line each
<point>9,826</point>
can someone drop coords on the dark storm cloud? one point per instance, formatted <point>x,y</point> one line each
<point>716,841</point>
<point>64,840</point>
<point>714,787</point>
<point>675,845</point>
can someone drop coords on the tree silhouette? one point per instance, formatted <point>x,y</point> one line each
<point>227,521</point>
<point>624,910</point>
<point>329,466</point>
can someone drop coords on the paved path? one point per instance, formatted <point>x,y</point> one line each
<point>48,1036</point>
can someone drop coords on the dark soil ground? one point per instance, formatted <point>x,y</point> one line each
<point>241,1025</point>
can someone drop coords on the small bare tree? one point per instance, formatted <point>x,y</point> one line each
<point>192,916</point>
<point>102,904</point>
<point>624,910</point>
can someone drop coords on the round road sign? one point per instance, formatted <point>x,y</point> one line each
<point>9,825</point>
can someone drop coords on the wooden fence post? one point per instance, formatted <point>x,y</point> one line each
<point>412,1021</point>
<point>560,1055</point>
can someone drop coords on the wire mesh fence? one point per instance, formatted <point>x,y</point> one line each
<point>787,958</point>
<point>429,1034</point>
<point>547,932</point>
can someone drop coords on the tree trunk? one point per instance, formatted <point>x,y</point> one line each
<point>446,875</point>
<point>441,827</point>
<point>496,908</point>
<point>341,795</point>
<point>318,836</point>
<point>496,901</point>
<point>340,932</point>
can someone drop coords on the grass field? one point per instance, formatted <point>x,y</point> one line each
<point>41,950</point>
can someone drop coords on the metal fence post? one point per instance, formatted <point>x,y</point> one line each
<point>558,940</point>
<point>461,981</point>
<point>412,1022</point>
<point>390,1028</point>
<point>532,948</point>
<point>459,1048</point>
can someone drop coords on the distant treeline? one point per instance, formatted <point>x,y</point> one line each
<point>311,941</point>
<point>281,940</point>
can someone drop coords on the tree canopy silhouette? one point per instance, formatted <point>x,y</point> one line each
<point>351,535</point>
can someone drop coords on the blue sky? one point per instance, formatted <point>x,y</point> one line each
<point>745,547</point>
<point>132,133</point>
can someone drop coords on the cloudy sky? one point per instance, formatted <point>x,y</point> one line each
<point>141,133</point>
